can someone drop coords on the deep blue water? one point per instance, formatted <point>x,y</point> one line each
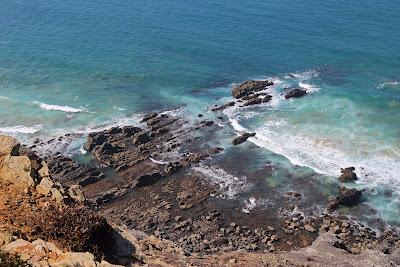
<point>74,66</point>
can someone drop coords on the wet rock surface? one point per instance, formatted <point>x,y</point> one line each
<point>242,138</point>
<point>250,87</point>
<point>295,93</point>
<point>346,197</point>
<point>348,175</point>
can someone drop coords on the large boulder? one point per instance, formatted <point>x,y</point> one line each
<point>250,87</point>
<point>17,170</point>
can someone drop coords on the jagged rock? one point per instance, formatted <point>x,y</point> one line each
<point>141,138</point>
<point>254,101</point>
<point>224,106</point>
<point>267,98</point>
<point>240,139</point>
<point>349,197</point>
<point>129,131</point>
<point>295,93</point>
<point>69,172</point>
<point>249,87</point>
<point>348,175</point>
<point>149,117</point>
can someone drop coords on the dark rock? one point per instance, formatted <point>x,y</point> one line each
<point>348,175</point>
<point>69,172</point>
<point>149,179</point>
<point>254,101</point>
<point>240,139</point>
<point>267,98</point>
<point>141,138</point>
<point>249,87</point>
<point>149,116</point>
<point>295,93</point>
<point>224,106</point>
<point>349,197</point>
<point>130,130</point>
<point>207,123</point>
<point>252,96</point>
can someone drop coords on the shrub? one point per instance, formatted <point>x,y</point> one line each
<point>11,260</point>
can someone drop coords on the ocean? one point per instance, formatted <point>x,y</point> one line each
<point>81,66</point>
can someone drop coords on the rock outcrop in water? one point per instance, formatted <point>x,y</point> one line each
<point>348,175</point>
<point>347,197</point>
<point>250,87</point>
<point>295,93</point>
<point>242,138</point>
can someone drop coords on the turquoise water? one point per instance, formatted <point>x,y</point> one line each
<point>77,66</point>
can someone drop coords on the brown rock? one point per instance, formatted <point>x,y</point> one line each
<point>17,170</point>
<point>249,87</point>
<point>348,175</point>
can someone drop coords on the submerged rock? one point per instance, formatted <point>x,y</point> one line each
<point>224,106</point>
<point>249,87</point>
<point>295,93</point>
<point>240,139</point>
<point>348,175</point>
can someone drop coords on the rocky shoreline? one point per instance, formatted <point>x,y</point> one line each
<point>151,181</point>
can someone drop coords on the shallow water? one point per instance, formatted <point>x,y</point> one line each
<point>82,66</point>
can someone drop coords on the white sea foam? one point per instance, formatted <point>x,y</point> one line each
<point>82,150</point>
<point>229,184</point>
<point>20,129</point>
<point>59,108</point>
<point>325,157</point>
<point>310,88</point>
<point>4,97</point>
<point>305,75</point>
<point>252,203</point>
<point>118,108</point>
<point>388,83</point>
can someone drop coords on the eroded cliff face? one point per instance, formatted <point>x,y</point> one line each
<point>44,223</point>
<point>49,223</point>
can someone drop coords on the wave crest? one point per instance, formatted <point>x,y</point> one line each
<point>59,108</point>
<point>21,129</point>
